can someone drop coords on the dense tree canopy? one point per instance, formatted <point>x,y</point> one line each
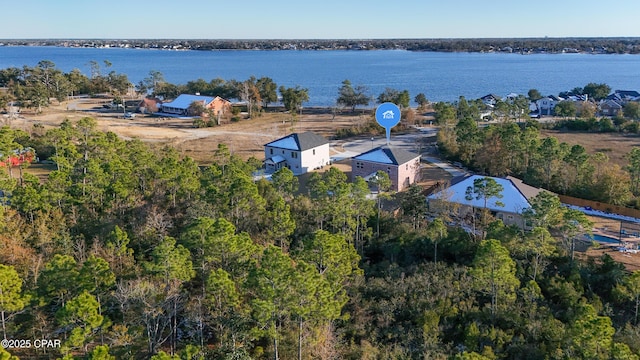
<point>519,149</point>
<point>146,254</point>
<point>131,250</point>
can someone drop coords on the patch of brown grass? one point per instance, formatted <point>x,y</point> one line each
<point>246,138</point>
<point>631,262</point>
<point>614,145</point>
<point>41,171</point>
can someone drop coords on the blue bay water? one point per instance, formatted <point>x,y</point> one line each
<point>440,76</point>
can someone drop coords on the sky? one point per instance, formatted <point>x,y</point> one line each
<point>313,19</point>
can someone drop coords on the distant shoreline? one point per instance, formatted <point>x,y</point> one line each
<point>619,45</point>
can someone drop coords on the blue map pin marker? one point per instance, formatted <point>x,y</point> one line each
<point>388,115</point>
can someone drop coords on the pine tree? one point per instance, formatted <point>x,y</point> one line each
<point>11,297</point>
<point>494,273</point>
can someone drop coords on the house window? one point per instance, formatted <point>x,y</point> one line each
<point>314,151</point>
<point>407,167</point>
<point>294,155</point>
<point>359,165</point>
<point>271,151</point>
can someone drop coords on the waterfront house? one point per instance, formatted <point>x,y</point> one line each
<point>180,106</point>
<point>402,166</point>
<point>577,98</point>
<point>610,107</point>
<point>490,100</point>
<point>510,98</point>
<point>547,105</point>
<point>149,105</point>
<point>509,208</point>
<point>619,97</point>
<point>627,95</point>
<point>300,152</point>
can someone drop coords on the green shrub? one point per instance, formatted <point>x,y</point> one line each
<point>199,123</point>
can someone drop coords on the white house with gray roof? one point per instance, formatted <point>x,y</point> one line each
<point>546,106</point>
<point>300,152</point>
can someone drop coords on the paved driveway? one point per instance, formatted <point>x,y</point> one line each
<point>408,142</point>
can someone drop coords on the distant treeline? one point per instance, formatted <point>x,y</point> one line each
<point>517,45</point>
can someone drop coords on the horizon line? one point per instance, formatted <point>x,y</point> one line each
<point>328,39</point>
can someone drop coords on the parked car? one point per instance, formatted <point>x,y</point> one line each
<point>129,115</point>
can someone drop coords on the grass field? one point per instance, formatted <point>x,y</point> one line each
<point>614,145</point>
<point>41,171</point>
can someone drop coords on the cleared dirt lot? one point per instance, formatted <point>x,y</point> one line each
<point>614,145</point>
<point>244,138</point>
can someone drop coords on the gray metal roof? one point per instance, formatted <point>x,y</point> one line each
<point>303,141</point>
<point>513,200</point>
<point>183,101</point>
<point>528,191</point>
<point>396,155</point>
